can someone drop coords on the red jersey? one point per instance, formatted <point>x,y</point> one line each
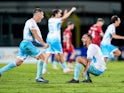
<point>67,41</point>
<point>95,31</point>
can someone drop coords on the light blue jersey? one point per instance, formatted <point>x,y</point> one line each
<point>26,47</point>
<point>54,35</point>
<point>106,46</point>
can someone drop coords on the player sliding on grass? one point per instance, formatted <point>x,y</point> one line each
<point>109,50</point>
<point>93,64</point>
<point>31,33</point>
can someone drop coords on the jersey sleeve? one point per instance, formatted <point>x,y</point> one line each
<point>31,25</point>
<point>59,20</point>
<point>112,30</point>
<point>90,52</point>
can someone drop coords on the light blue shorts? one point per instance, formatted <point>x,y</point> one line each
<point>107,50</point>
<point>55,47</point>
<point>27,49</point>
<point>93,70</point>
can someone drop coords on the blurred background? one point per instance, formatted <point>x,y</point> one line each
<point>14,13</point>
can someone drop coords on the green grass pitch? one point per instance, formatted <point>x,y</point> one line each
<point>22,80</point>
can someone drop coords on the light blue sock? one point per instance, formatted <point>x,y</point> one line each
<point>39,69</point>
<point>55,63</point>
<point>111,55</point>
<point>63,65</point>
<point>87,75</point>
<point>77,70</point>
<point>8,67</point>
<point>44,65</point>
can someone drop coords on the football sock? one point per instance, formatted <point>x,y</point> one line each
<point>55,63</point>
<point>77,70</point>
<point>111,55</point>
<point>63,65</point>
<point>87,75</point>
<point>71,60</point>
<point>39,69</point>
<point>8,67</point>
<point>44,66</point>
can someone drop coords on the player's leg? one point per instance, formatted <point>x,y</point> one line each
<point>33,51</point>
<point>63,63</point>
<point>71,59</point>
<point>65,56</point>
<point>55,61</point>
<point>45,63</point>
<point>113,51</point>
<point>17,62</point>
<point>40,62</point>
<point>11,65</point>
<point>78,66</point>
<point>117,53</point>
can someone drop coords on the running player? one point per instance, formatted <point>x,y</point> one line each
<point>31,33</point>
<point>109,50</point>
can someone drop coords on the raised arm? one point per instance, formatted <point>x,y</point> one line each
<point>68,13</point>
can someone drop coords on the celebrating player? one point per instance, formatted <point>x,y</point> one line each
<point>54,37</point>
<point>109,50</point>
<point>31,33</point>
<point>96,31</point>
<point>93,64</point>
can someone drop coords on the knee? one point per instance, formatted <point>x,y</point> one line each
<point>118,53</point>
<point>19,62</point>
<point>79,59</point>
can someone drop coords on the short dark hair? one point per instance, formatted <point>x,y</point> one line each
<point>90,37</point>
<point>37,10</point>
<point>55,11</point>
<point>69,23</point>
<point>114,18</point>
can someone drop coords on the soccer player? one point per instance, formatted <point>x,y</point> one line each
<point>31,33</point>
<point>109,50</point>
<point>93,64</point>
<point>96,31</point>
<point>54,37</point>
<point>68,47</point>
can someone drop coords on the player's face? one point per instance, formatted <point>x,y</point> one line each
<point>59,14</point>
<point>72,26</point>
<point>118,22</point>
<point>101,23</point>
<point>84,39</point>
<point>40,16</point>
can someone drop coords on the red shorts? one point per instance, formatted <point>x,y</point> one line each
<point>69,50</point>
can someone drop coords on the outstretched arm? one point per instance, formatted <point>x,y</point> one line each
<point>117,36</point>
<point>68,13</point>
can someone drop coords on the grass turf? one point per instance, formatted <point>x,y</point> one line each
<point>22,80</point>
